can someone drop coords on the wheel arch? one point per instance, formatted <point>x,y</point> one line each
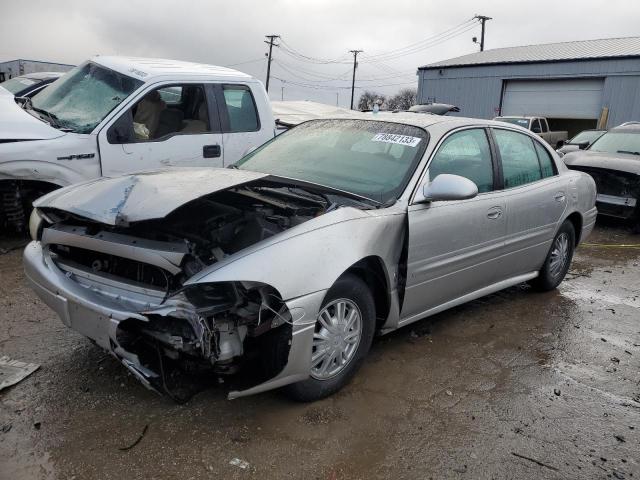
<point>372,271</point>
<point>577,221</point>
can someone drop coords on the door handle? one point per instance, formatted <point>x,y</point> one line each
<point>494,213</point>
<point>211,151</point>
<point>559,197</point>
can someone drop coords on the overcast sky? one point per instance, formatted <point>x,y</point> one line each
<point>232,32</point>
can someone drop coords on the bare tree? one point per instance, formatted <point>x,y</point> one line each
<point>369,98</point>
<point>402,100</point>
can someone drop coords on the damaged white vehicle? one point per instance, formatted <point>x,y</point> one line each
<point>282,269</point>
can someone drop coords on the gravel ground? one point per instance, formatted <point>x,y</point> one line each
<point>515,385</point>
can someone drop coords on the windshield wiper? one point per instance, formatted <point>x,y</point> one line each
<point>55,122</point>
<point>628,152</point>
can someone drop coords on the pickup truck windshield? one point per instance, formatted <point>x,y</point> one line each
<point>14,85</point>
<point>617,142</point>
<point>82,98</point>
<point>522,122</point>
<point>371,159</point>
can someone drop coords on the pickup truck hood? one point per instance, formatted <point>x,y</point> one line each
<point>611,161</point>
<point>17,124</point>
<point>143,196</point>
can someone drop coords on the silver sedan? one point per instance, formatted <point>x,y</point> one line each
<point>279,271</point>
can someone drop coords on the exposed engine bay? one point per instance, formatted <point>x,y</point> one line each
<point>185,331</point>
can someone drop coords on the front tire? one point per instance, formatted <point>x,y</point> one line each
<point>558,260</point>
<point>342,338</point>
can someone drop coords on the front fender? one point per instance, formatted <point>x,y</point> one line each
<point>312,260</point>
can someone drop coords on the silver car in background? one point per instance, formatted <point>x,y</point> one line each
<point>284,267</point>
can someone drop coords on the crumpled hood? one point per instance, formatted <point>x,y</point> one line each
<point>17,124</point>
<point>144,196</point>
<point>611,161</point>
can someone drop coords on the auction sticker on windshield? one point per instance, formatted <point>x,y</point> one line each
<point>398,139</point>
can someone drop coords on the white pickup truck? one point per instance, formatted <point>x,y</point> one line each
<point>539,126</point>
<point>115,115</point>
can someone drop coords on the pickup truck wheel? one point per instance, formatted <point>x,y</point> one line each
<point>558,260</point>
<point>343,334</point>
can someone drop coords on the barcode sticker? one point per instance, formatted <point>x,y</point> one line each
<point>398,139</point>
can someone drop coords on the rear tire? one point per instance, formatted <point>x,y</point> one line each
<point>348,311</point>
<point>558,260</point>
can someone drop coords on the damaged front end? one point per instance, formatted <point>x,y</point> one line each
<point>127,287</point>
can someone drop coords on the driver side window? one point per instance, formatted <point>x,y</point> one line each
<point>466,153</point>
<point>163,113</point>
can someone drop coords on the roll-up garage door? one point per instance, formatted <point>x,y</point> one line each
<point>553,98</point>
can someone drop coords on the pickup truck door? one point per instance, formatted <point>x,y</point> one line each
<point>243,128</point>
<point>175,125</point>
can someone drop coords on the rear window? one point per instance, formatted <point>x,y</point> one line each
<point>522,122</point>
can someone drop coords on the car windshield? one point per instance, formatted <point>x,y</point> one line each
<point>618,142</point>
<point>82,98</point>
<point>368,158</point>
<point>586,136</point>
<point>14,85</point>
<point>523,122</point>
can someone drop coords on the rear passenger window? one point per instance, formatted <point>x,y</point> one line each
<point>546,162</point>
<point>241,109</point>
<point>519,159</point>
<point>467,154</point>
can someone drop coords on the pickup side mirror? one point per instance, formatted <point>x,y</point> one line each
<point>448,187</point>
<point>536,129</point>
<point>583,145</point>
<point>561,143</point>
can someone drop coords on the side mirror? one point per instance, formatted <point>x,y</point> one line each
<point>583,145</point>
<point>536,130</point>
<point>449,187</point>
<point>561,143</point>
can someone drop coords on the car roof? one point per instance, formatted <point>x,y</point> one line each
<point>527,117</point>
<point>42,75</point>
<point>147,69</point>
<point>422,120</point>
<point>629,128</point>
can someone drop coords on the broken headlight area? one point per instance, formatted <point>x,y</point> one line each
<point>208,331</point>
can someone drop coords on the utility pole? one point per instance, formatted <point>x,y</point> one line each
<point>483,20</point>
<point>355,65</point>
<point>337,93</point>
<point>282,93</point>
<point>272,39</point>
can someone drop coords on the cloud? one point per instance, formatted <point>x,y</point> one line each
<point>232,32</point>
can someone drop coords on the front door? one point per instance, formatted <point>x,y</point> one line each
<point>170,126</point>
<point>454,246</point>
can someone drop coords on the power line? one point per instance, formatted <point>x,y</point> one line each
<point>244,63</point>
<point>424,46</point>
<point>296,71</point>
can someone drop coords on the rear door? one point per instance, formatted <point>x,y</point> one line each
<point>535,195</point>
<point>242,128</point>
<point>175,125</point>
<point>454,246</point>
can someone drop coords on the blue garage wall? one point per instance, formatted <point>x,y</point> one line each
<point>477,90</point>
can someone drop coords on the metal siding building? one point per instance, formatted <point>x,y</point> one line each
<point>15,68</point>
<point>571,81</point>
